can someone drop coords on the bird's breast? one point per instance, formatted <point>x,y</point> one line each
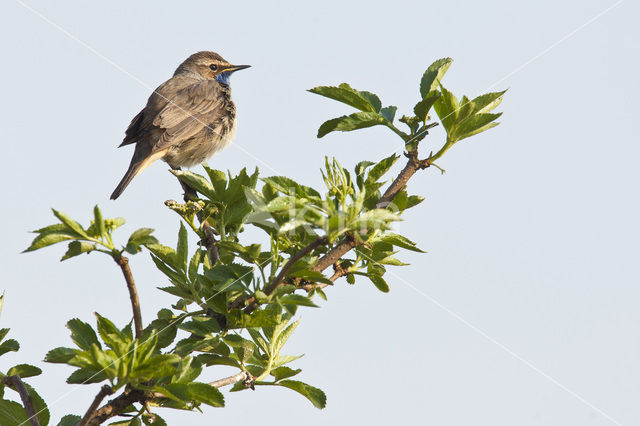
<point>214,137</point>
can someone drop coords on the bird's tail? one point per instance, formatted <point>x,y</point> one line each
<point>140,161</point>
<point>134,170</point>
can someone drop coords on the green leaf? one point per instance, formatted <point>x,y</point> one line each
<point>372,98</point>
<point>297,299</point>
<point>12,414</point>
<point>389,113</point>
<point>71,224</point>
<point>47,239</point>
<point>315,395</point>
<point>218,179</point>
<point>475,124</point>
<point>282,337</point>
<point>447,109</point>
<point>82,334</point>
<point>183,248</point>
<point>285,359</point>
<point>284,372</point>
<point>432,76</point>
<point>86,375</point>
<point>364,101</point>
<point>3,331</point>
<point>78,247</point>
<point>380,283</point>
<point>140,237</point>
<point>421,110</point>
<point>381,168</point>
<point>98,221</point>
<point>358,120</point>
<point>488,102</point>
<point>207,394</point>
<point>287,186</point>
<point>24,371</point>
<point>60,355</point>
<point>201,328</point>
<point>245,350</point>
<point>153,420</point>
<point>195,181</point>
<point>9,345</point>
<point>70,420</point>
<point>400,241</point>
<point>213,359</point>
<point>111,335</point>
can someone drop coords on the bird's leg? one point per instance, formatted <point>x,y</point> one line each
<point>189,193</point>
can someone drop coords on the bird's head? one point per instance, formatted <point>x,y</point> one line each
<point>209,65</point>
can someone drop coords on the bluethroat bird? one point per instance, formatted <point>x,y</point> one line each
<point>188,118</point>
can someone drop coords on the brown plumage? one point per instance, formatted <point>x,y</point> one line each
<point>187,119</point>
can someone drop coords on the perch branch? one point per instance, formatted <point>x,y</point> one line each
<point>210,243</point>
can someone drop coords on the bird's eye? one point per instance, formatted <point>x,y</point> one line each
<point>213,67</point>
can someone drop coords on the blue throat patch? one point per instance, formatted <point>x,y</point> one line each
<point>223,78</point>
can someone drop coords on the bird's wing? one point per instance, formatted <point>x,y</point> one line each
<point>131,134</point>
<point>188,112</point>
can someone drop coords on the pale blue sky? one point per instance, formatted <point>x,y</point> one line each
<point>524,311</point>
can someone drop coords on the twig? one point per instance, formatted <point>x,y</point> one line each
<point>244,376</point>
<point>278,280</point>
<point>104,391</point>
<point>123,262</point>
<point>130,396</point>
<point>412,166</point>
<point>16,383</point>
<point>210,242</point>
<point>338,271</point>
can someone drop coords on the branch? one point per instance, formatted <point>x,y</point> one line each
<point>412,166</point>
<point>279,279</point>
<point>16,383</point>
<point>123,262</point>
<point>104,391</point>
<point>117,405</point>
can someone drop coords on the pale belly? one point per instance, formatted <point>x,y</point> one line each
<point>202,146</point>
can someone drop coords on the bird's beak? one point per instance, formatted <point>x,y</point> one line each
<point>232,68</point>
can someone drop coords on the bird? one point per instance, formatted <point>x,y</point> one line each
<point>187,119</point>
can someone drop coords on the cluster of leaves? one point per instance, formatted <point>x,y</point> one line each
<point>12,413</point>
<point>235,301</point>
<point>460,118</point>
<point>98,236</point>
